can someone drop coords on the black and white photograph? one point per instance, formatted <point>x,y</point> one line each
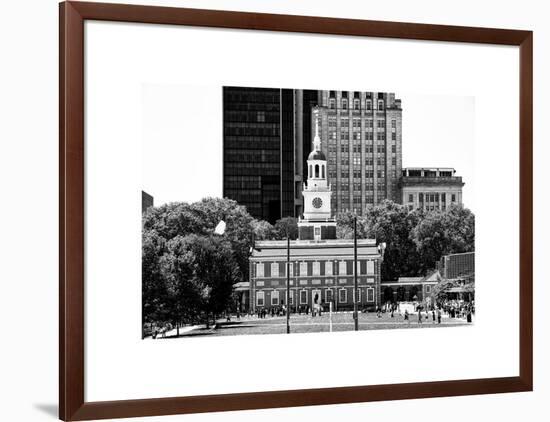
<point>282,210</point>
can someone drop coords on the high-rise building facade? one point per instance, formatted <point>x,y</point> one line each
<point>265,146</point>
<point>361,132</point>
<point>258,150</point>
<point>268,134</point>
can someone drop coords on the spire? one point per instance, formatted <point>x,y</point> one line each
<point>316,139</point>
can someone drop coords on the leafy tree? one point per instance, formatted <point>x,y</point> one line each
<point>286,225</point>
<point>393,224</point>
<point>262,230</point>
<point>440,233</point>
<point>181,219</point>
<point>154,293</point>
<point>183,288</point>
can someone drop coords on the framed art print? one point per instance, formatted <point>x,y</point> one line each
<point>268,211</point>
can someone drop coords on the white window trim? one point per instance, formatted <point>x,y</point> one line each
<point>369,290</point>
<point>275,295</point>
<point>342,268</point>
<point>328,268</point>
<point>316,268</point>
<point>370,267</point>
<point>260,274</point>
<point>326,295</point>
<point>358,294</point>
<point>345,296</point>
<point>260,294</point>
<point>274,269</point>
<point>302,266</point>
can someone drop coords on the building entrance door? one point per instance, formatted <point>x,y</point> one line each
<point>316,301</point>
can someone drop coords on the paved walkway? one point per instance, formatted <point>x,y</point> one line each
<point>341,321</point>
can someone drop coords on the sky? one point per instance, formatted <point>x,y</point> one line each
<point>182,139</point>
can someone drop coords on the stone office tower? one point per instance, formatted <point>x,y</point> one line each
<point>361,133</point>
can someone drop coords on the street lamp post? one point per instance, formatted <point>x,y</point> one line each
<point>287,284</point>
<point>355,314</point>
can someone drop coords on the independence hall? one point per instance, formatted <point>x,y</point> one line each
<point>320,267</point>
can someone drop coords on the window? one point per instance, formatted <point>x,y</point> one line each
<point>410,198</point>
<point>260,116</point>
<point>342,296</point>
<point>380,105</point>
<point>453,197</point>
<point>328,295</point>
<point>332,103</point>
<point>393,148</point>
<point>260,269</point>
<point>290,300</point>
<point>344,103</point>
<point>290,267</point>
<point>342,268</point>
<point>274,269</point>
<point>369,106</point>
<point>303,297</point>
<point>393,136</point>
<point>370,294</point>
<point>356,104</point>
<point>394,161</point>
<point>370,267</point>
<point>275,298</point>
<point>428,289</point>
<point>260,298</point>
<point>358,294</point>
<point>393,124</point>
<point>317,265</point>
<point>328,268</point>
<point>303,268</point>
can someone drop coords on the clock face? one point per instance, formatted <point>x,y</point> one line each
<point>317,202</point>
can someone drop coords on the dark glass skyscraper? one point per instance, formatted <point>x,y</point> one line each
<point>258,150</point>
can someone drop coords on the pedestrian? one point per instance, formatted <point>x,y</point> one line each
<point>419,316</point>
<point>433,316</point>
<point>469,316</point>
<point>439,316</point>
<point>407,317</point>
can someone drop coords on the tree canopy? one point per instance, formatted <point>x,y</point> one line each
<point>415,240</point>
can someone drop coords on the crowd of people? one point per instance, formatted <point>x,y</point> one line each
<point>408,311</point>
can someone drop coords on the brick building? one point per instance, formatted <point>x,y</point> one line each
<point>320,267</point>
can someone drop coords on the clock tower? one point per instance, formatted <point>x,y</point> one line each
<point>317,222</point>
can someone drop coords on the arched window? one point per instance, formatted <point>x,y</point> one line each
<point>323,171</point>
<point>344,104</point>
<point>317,170</point>
<point>356,104</point>
<point>380,105</point>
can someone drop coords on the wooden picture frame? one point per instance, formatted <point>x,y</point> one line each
<point>73,15</point>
